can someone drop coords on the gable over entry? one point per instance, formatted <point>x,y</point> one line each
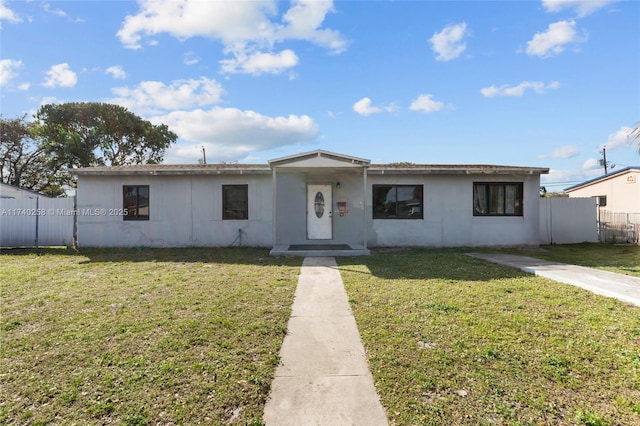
<point>319,203</point>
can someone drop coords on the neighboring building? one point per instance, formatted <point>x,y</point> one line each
<point>15,192</point>
<point>308,202</point>
<point>617,191</point>
<point>617,195</point>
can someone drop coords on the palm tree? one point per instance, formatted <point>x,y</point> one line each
<point>634,136</point>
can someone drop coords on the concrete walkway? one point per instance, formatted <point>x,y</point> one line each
<point>622,287</point>
<point>323,378</point>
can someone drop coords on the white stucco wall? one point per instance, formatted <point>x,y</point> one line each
<point>622,192</point>
<point>448,214</point>
<point>292,211</point>
<point>568,220</point>
<point>185,210</point>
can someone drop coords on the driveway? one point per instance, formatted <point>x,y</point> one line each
<point>622,287</point>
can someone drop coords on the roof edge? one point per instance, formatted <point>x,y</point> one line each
<point>455,169</point>
<point>318,153</point>
<point>172,169</point>
<point>601,178</point>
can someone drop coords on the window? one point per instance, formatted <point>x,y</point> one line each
<point>497,199</point>
<point>235,204</point>
<point>397,202</point>
<point>135,202</point>
<point>601,200</point>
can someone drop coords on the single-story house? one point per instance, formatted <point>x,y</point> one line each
<point>617,191</point>
<point>308,202</point>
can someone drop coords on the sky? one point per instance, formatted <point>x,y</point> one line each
<point>524,83</point>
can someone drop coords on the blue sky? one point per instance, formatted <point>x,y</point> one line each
<point>533,83</point>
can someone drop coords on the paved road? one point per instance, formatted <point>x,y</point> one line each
<point>622,287</point>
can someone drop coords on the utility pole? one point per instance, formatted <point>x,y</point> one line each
<point>603,161</point>
<point>204,156</point>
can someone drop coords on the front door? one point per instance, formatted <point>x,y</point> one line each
<point>319,213</point>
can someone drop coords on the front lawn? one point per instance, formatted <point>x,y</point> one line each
<point>134,337</point>
<point>458,341</point>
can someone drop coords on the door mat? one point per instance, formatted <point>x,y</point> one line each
<point>301,247</point>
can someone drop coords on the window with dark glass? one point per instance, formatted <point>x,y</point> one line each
<point>135,202</point>
<point>497,199</point>
<point>235,202</point>
<point>397,202</point>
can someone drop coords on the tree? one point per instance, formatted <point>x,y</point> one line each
<point>98,134</point>
<point>23,161</point>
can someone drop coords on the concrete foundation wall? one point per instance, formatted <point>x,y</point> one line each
<point>184,211</point>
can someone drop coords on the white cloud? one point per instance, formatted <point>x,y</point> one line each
<point>581,7</point>
<point>230,133</point>
<point>247,29</point>
<point>425,103</point>
<point>151,96</point>
<point>191,58</point>
<point>60,76</point>
<point>566,151</point>
<point>364,107</point>
<point>59,12</point>
<point>303,21</point>
<point>553,41</point>
<point>558,180</point>
<point>505,90</point>
<point>8,68</point>
<point>448,43</point>
<point>591,164</point>
<point>117,72</point>
<point>259,63</point>
<point>7,14</point>
<point>618,139</point>
<point>229,22</point>
<point>24,86</point>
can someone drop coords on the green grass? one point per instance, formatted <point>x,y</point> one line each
<point>184,336</point>
<point>454,340</point>
<point>135,337</point>
<point>623,259</point>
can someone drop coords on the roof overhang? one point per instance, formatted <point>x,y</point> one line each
<point>427,169</point>
<point>174,169</point>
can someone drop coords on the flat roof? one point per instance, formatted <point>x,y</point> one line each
<point>459,169</point>
<point>174,169</point>
<point>232,168</point>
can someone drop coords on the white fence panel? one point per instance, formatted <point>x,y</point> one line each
<point>36,222</point>
<point>568,220</point>
<point>619,227</point>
